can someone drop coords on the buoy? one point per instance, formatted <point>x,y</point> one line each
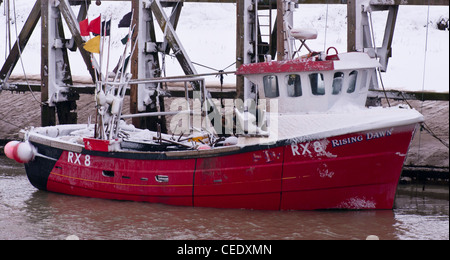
<point>116,104</point>
<point>9,149</point>
<point>23,152</point>
<point>109,98</point>
<point>101,98</point>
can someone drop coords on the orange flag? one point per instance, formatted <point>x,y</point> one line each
<point>93,45</point>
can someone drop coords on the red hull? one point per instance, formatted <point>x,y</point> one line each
<point>355,171</point>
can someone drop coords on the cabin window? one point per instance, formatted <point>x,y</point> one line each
<point>271,86</point>
<point>317,84</point>
<point>294,85</point>
<point>338,81</point>
<point>352,81</point>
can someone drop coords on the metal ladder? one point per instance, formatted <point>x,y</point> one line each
<point>263,28</point>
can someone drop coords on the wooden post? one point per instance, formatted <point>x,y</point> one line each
<point>274,37</point>
<point>351,25</point>
<point>146,65</point>
<point>48,115</point>
<point>66,110</point>
<point>245,43</point>
<point>135,6</point>
<point>56,95</point>
<point>172,39</point>
<point>240,11</point>
<point>280,31</point>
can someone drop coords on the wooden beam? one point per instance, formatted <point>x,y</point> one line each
<point>321,1</point>
<point>168,1</point>
<point>72,24</point>
<point>174,18</point>
<point>231,1</point>
<point>409,2</point>
<point>410,95</point>
<point>146,65</point>
<point>273,39</point>
<point>181,55</point>
<point>172,38</point>
<point>351,25</point>
<point>391,94</point>
<point>66,110</point>
<point>240,52</point>
<point>67,78</point>
<point>377,2</point>
<point>373,2</point>
<point>19,46</point>
<point>76,2</point>
<point>280,31</point>
<point>82,14</point>
<point>385,52</point>
<point>134,67</point>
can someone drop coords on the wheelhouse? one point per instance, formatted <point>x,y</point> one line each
<point>308,85</point>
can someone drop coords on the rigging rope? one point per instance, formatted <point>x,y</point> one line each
<point>220,73</point>
<point>425,54</point>
<point>326,25</point>
<point>376,56</point>
<point>20,56</point>
<point>423,76</point>
<point>8,28</point>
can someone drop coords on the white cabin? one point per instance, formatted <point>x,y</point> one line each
<point>314,84</point>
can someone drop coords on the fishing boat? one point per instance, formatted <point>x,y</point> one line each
<point>303,139</point>
<point>318,148</point>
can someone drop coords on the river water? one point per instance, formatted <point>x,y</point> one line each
<point>26,213</point>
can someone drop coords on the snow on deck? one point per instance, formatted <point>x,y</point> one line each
<point>305,127</point>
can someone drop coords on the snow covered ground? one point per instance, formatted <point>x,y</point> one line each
<point>207,32</point>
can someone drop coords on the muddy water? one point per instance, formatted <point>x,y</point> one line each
<point>26,213</point>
